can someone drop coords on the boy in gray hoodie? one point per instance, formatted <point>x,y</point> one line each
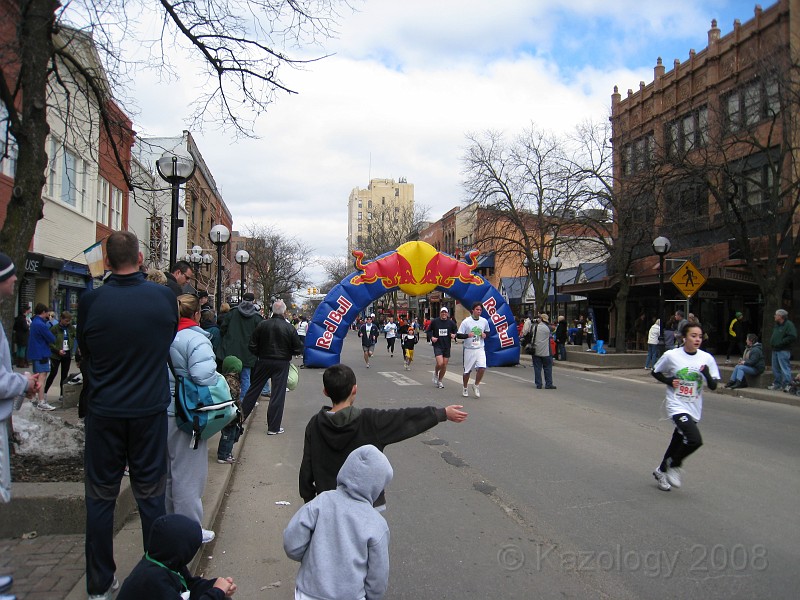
<point>342,523</point>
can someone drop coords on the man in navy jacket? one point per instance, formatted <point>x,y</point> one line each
<point>125,329</point>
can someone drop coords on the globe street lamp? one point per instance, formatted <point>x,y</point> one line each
<point>219,236</point>
<point>175,169</point>
<point>661,246</point>
<point>242,257</point>
<point>555,264</point>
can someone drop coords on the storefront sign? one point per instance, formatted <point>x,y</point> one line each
<point>33,262</point>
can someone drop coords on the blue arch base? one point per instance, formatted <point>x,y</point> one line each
<point>343,303</point>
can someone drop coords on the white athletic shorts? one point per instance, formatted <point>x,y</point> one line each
<point>474,359</point>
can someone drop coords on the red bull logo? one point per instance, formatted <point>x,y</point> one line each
<point>499,321</point>
<point>416,268</point>
<point>393,270</point>
<point>332,321</point>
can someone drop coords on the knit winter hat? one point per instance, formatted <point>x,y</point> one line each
<point>7,268</point>
<point>231,364</point>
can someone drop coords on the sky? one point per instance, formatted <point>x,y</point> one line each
<point>407,81</point>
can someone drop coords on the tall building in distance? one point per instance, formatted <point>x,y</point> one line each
<point>382,202</point>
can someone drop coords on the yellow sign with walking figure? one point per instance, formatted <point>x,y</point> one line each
<point>688,279</point>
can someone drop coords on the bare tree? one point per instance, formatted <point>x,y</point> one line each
<point>277,262</point>
<point>336,269</point>
<point>524,199</point>
<point>617,212</point>
<point>239,45</point>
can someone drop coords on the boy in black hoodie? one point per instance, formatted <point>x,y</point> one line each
<point>162,572</point>
<point>337,430</point>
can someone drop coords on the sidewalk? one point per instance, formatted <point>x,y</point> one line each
<point>51,567</point>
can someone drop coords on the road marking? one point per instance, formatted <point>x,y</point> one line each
<point>510,376</point>
<point>398,378</point>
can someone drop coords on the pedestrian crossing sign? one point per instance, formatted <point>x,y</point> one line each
<point>688,279</point>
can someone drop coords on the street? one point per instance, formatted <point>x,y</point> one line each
<point>540,493</point>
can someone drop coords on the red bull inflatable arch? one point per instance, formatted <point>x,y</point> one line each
<point>415,268</point>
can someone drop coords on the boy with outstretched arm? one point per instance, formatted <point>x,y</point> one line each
<point>336,430</point>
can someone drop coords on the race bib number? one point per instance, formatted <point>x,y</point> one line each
<point>443,332</point>
<point>476,341</point>
<point>687,390</point>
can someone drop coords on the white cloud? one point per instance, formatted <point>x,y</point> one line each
<point>408,81</point>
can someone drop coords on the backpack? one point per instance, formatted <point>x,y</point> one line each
<point>202,410</point>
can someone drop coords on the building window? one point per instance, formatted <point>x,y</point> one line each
<point>688,205</point>
<point>359,227</point>
<point>359,216</point>
<point>103,195</point>
<point>8,156</point>
<point>369,216</point>
<point>687,133</point>
<point>116,208</point>
<point>369,204</point>
<point>751,104</point>
<point>638,155</point>
<point>73,180</point>
<point>52,171</point>
<point>359,203</point>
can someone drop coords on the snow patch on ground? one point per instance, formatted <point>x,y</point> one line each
<point>45,434</point>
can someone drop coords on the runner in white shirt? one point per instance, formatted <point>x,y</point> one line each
<point>390,329</point>
<point>474,330</point>
<point>684,370</point>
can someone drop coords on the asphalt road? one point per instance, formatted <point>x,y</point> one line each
<point>541,493</point>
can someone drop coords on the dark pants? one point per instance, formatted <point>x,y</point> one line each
<point>110,444</point>
<point>685,440</point>
<point>64,362</point>
<point>543,363</point>
<point>390,344</point>
<point>277,371</point>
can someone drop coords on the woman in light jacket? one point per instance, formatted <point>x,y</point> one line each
<point>192,358</point>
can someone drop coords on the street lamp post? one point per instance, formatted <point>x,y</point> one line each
<point>661,246</point>
<point>242,257</point>
<point>555,264</point>
<point>219,236</point>
<point>175,169</point>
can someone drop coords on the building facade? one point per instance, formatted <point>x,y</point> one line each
<point>378,205</point>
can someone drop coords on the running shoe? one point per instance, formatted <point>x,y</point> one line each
<point>280,431</point>
<point>476,390</point>
<point>45,406</point>
<point>208,536</point>
<point>440,385</point>
<point>465,392</point>
<point>674,476</point>
<point>109,593</point>
<point>435,380</point>
<point>661,480</point>
<point>229,460</point>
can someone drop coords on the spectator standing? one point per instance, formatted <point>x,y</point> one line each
<point>61,352</point>
<point>589,329</point>
<point>13,386</point>
<point>580,323</point>
<point>342,523</point>
<point>22,330</point>
<point>542,358</point>
<point>39,351</point>
<point>752,363</point>
<point>561,338</point>
<point>180,274</point>
<point>236,329</point>
<point>652,344</point>
<point>336,430</point>
<point>443,332</point>
<point>680,322</point>
<point>784,335</point>
<point>208,322</point>
<point>302,330</point>
<point>274,342</point>
<point>231,370</point>
<point>127,393</point>
<point>474,329</point>
<point>192,357</point>
<point>736,336</point>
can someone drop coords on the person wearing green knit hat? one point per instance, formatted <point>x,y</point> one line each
<point>231,369</point>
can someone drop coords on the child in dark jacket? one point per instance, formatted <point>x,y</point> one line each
<point>162,572</point>
<point>231,370</point>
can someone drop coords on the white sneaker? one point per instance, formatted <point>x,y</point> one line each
<point>476,391</point>
<point>673,475</point>
<point>109,593</point>
<point>661,480</point>
<point>45,406</point>
<point>435,380</point>
<point>440,385</point>
<point>465,392</point>
<point>208,536</point>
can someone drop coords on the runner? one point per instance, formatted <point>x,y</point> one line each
<point>474,329</point>
<point>369,336</point>
<point>390,330</point>
<point>443,332</point>
<point>684,370</point>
